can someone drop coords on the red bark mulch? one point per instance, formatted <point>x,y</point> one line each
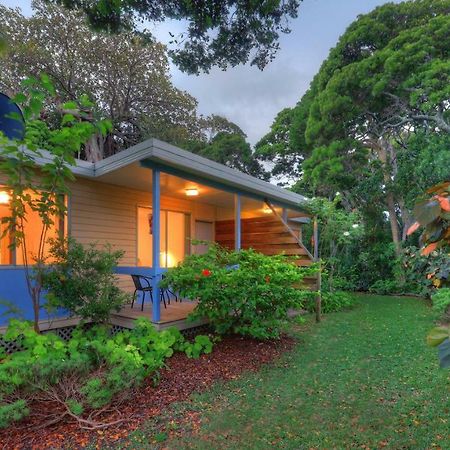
<point>182,377</point>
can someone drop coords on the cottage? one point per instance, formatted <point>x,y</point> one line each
<point>151,201</point>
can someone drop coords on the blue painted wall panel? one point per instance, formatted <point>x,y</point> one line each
<point>13,289</point>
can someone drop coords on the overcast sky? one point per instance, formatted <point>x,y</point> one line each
<point>250,97</point>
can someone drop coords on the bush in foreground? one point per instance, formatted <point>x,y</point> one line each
<point>81,280</point>
<point>242,292</point>
<point>82,377</point>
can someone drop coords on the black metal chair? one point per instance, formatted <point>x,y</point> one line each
<point>169,292</point>
<point>144,284</point>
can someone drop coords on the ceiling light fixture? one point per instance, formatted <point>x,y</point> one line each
<point>192,192</point>
<point>5,198</point>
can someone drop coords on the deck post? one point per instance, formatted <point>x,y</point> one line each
<point>319,274</point>
<point>284,215</point>
<point>156,233</point>
<point>237,222</point>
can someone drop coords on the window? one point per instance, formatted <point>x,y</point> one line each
<point>174,236</point>
<point>32,231</point>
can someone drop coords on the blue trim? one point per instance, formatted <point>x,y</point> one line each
<point>156,233</point>
<point>14,292</point>
<point>149,164</point>
<point>237,222</point>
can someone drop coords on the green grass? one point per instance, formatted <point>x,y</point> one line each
<point>360,379</point>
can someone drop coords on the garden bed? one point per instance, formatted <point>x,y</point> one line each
<point>182,377</point>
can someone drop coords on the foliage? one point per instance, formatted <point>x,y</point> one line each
<point>46,193</point>
<point>275,148</point>
<point>385,287</point>
<point>441,302</point>
<point>126,76</point>
<point>367,374</point>
<point>427,272</point>
<point>339,231</point>
<point>81,280</point>
<point>91,371</point>
<point>231,149</point>
<point>333,301</point>
<point>220,33</point>
<point>242,292</point>
<point>356,129</point>
<point>440,337</point>
<point>433,214</point>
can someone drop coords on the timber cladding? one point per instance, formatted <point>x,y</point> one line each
<point>267,235</point>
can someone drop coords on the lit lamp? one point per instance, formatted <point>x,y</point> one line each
<point>5,198</point>
<point>192,192</point>
<point>267,210</point>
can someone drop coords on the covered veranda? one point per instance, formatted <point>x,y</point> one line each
<point>228,207</point>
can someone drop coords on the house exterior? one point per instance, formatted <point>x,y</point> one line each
<point>151,201</point>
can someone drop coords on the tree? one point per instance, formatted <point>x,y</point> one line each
<point>232,150</point>
<point>275,149</point>
<point>386,79</point>
<point>43,193</point>
<point>219,33</point>
<point>125,75</point>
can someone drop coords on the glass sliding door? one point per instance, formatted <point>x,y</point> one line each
<point>173,237</point>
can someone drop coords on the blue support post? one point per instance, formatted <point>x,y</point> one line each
<point>237,222</point>
<point>284,215</point>
<point>156,233</point>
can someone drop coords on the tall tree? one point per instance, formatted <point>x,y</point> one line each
<point>219,33</point>
<point>224,142</point>
<point>126,76</point>
<point>387,78</point>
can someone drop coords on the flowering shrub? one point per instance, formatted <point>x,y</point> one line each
<point>243,292</point>
<point>86,374</point>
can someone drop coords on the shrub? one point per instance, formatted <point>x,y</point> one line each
<point>385,287</point>
<point>441,302</point>
<point>333,301</point>
<point>82,281</point>
<point>427,272</point>
<point>336,301</point>
<point>91,371</point>
<point>242,292</point>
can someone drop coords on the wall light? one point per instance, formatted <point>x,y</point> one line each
<point>192,192</point>
<point>5,198</point>
<point>267,210</point>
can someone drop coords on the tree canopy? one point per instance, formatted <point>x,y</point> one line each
<point>219,33</point>
<point>387,80</point>
<point>126,76</point>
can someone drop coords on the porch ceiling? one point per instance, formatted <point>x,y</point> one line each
<point>179,169</point>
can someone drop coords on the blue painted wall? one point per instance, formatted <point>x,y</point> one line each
<point>13,289</point>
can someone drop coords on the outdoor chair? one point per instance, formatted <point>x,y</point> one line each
<point>144,284</point>
<point>168,291</point>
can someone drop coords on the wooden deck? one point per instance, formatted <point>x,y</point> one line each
<point>173,316</point>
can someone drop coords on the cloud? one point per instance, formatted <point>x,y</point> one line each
<point>252,98</point>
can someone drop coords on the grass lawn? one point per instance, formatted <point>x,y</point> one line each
<point>361,379</point>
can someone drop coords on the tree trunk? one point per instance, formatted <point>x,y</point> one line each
<point>94,148</point>
<point>385,148</point>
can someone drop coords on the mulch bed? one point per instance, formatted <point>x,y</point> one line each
<point>182,377</point>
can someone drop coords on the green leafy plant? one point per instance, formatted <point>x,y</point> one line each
<point>81,280</point>
<point>241,292</point>
<point>385,287</point>
<point>441,302</point>
<point>91,371</point>
<point>440,337</point>
<point>432,213</point>
<point>333,301</point>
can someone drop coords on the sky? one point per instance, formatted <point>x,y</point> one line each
<point>252,98</point>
